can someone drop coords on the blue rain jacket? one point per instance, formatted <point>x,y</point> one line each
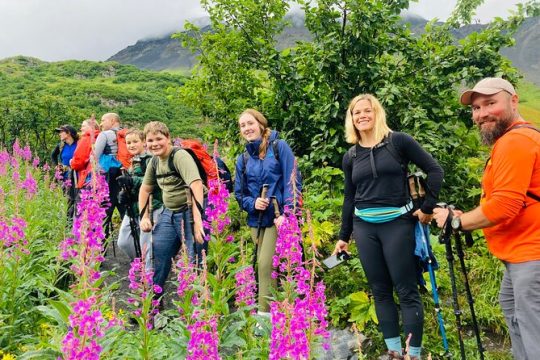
<point>275,173</point>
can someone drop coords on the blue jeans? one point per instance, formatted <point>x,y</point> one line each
<point>167,240</point>
<point>195,252</point>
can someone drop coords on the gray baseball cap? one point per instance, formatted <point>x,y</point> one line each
<point>487,86</point>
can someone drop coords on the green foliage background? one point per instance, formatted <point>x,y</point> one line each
<point>36,97</point>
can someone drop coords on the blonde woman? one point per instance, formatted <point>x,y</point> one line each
<point>375,169</point>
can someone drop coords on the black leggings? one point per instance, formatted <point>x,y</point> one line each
<point>387,254</point>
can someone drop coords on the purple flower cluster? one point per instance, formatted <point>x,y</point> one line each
<point>216,211</point>
<point>5,160</point>
<point>12,236</point>
<point>143,290</point>
<point>30,185</point>
<point>204,340</point>
<point>84,329</point>
<point>300,318</point>
<point>86,247</point>
<point>288,255</point>
<point>187,275</point>
<point>245,287</point>
<point>24,153</point>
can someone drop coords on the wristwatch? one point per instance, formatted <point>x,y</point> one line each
<point>456,223</point>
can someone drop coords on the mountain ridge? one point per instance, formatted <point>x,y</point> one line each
<point>166,53</point>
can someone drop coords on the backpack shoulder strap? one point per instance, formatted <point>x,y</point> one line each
<point>527,126</point>
<point>394,152</point>
<point>352,152</point>
<point>172,166</point>
<point>275,149</point>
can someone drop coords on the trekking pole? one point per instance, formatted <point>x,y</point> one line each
<point>264,191</point>
<point>132,220</point>
<point>418,197</point>
<point>445,238</point>
<point>150,211</point>
<point>435,291</point>
<point>461,257</point>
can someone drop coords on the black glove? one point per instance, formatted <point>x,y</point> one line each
<point>125,181</point>
<point>123,198</point>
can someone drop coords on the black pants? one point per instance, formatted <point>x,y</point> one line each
<point>114,189</point>
<point>386,252</point>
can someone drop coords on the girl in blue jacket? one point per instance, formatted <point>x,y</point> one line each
<point>269,161</point>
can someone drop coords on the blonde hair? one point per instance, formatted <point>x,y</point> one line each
<point>380,129</point>
<point>135,132</point>
<point>113,116</point>
<point>156,127</point>
<point>265,130</point>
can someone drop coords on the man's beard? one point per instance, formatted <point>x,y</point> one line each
<point>489,136</point>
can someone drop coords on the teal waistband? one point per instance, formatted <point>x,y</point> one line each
<point>382,214</point>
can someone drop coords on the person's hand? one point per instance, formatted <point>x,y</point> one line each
<point>279,220</point>
<point>199,234</point>
<point>261,203</point>
<point>423,217</point>
<point>125,181</point>
<point>340,247</point>
<point>146,224</point>
<point>440,215</point>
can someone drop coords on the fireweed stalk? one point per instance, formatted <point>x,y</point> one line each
<point>299,318</point>
<point>143,298</point>
<point>85,252</point>
<point>14,245</point>
<point>203,340</point>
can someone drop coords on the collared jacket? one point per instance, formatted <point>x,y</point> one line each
<point>252,173</point>
<point>81,157</point>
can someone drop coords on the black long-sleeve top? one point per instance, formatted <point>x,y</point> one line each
<point>378,180</point>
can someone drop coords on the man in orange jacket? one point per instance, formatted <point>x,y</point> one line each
<point>509,210</point>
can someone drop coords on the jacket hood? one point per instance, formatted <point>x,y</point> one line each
<point>253,147</point>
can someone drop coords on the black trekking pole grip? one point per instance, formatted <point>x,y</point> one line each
<point>276,207</point>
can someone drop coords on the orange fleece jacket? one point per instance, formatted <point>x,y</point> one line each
<point>513,169</point>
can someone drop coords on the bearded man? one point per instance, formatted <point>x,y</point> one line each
<point>509,210</point>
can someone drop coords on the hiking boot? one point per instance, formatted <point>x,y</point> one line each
<point>394,355</point>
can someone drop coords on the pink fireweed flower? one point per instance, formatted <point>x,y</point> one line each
<point>187,273</point>
<point>58,174</point>
<point>86,248</point>
<point>12,236</point>
<point>142,292</point>
<point>216,211</point>
<point>300,319</point>
<point>30,185</point>
<point>35,162</point>
<point>46,167</point>
<point>5,160</point>
<point>85,328</point>
<point>203,341</point>
<point>288,254</point>
<point>245,287</point>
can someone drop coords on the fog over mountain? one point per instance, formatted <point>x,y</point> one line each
<point>166,53</point>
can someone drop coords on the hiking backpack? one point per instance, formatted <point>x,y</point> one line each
<point>205,164</point>
<point>122,157</point>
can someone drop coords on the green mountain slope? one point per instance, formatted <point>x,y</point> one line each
<point>37,96</point>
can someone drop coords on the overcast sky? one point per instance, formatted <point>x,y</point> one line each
<point>97,29</point>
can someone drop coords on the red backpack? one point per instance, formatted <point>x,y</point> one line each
<point>205,163</point>
<point>123,155</point>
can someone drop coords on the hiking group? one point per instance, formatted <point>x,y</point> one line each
<point>158,187</point>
